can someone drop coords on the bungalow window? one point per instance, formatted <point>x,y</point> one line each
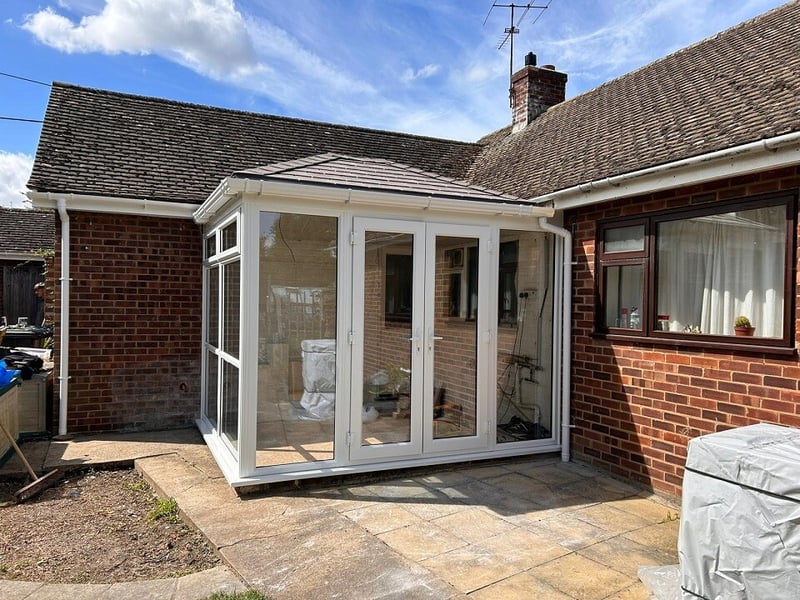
<point>692,273</point>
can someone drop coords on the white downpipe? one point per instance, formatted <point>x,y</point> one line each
<point>63,367</point>
<point>566,327</point>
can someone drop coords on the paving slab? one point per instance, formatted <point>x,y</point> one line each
<point>522,586</point>
<point>122,448</point>
<point>581,578</point>
<point>331,560</point>
<point>535,528</point>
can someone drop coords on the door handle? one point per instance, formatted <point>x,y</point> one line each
<point>415,339</point>
<point>432,338</point>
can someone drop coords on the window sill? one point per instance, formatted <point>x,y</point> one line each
<point>700,344</point>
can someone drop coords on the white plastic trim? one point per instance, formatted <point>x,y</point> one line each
<point>771,153</point>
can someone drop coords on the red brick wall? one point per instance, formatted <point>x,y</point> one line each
<point>135,322</point>
<point>534,90</point>
<point>637,405</point>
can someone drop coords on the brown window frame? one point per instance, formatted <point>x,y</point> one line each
<point>647,257</point>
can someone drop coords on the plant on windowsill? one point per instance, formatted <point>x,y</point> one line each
<point>742,326</point>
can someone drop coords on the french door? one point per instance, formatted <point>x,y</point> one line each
<point>420,339</point>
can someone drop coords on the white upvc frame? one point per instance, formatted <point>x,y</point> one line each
<point>485,336</point>
<point>228,455</point>
<point>413,447</point>
<point>244,471</point>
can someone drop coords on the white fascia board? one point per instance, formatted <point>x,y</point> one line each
<point>113,205</point>
<point>323,193</point>
<point>763,155</point>
<point>21,256</point>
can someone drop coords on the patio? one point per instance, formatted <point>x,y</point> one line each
<point>521,528</point>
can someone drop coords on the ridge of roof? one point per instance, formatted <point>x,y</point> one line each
<point>712,95</point>
<point>251,113</point>
<point>129,146</point>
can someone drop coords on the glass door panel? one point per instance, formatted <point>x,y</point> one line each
<point>387,315</point>
<point>388,302</point>
<point>455,326</point>
<point>456,306</point>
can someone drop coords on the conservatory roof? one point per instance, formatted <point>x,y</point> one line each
<point>342,178</point>
<point>374,174</point>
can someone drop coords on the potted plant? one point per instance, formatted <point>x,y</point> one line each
<point>742,326</point>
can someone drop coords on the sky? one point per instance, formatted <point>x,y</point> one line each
<point>427,67</point>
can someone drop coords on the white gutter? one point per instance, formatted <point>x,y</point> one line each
<point>114,205</point>
<point>230,187</point>
<point>63,349</point>
<point>772,153</point>
<point>566,335</point>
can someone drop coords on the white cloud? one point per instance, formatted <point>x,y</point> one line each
<point>15,169</point>
<point>425,72</point>
<point>292,68</point>
<point>208,36</point>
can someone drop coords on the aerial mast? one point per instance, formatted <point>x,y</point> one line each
<point>510,32</point>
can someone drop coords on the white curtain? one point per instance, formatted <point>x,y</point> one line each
<point>714,268</point>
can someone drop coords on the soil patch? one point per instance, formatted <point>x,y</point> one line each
<point>97,527</point>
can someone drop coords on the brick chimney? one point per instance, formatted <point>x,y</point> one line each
<point>534,90</point>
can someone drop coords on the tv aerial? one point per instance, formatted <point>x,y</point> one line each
<point>511,31</point>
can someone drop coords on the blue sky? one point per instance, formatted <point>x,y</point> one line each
<point>418,66</point>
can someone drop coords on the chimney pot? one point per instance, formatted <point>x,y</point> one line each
<point>530,59</point>
<point>548,67</point>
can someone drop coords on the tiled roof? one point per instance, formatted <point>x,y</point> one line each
<point>372,174</point>
<point>23,231</point>
<point>112,144</point>
<point>739,86</point>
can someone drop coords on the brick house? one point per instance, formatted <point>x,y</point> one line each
<point>328,299</point>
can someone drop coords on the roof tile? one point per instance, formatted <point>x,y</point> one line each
<point>738,86</point>
<point>22,231</point>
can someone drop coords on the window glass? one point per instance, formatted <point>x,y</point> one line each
<point>624,290</point>
<point>386,326</point>
<point>624,239</point>
<point>213,307</point>
<point>397,300</point>
<point>228,236</point>
<point>230,304</point>
<point>524,352</point>
<point>212,369</point>
<point>230,403</point>
<point>507,284</point>
<point>296,338</point>
<point>472,282</point>
<point>211,245</point>
<point>714,268</point>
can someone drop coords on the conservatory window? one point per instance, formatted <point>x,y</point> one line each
<point>297,288</point>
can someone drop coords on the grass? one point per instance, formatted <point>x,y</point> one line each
<point>166,509</point>
<point>136,486</point>
<point>245,595</point>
